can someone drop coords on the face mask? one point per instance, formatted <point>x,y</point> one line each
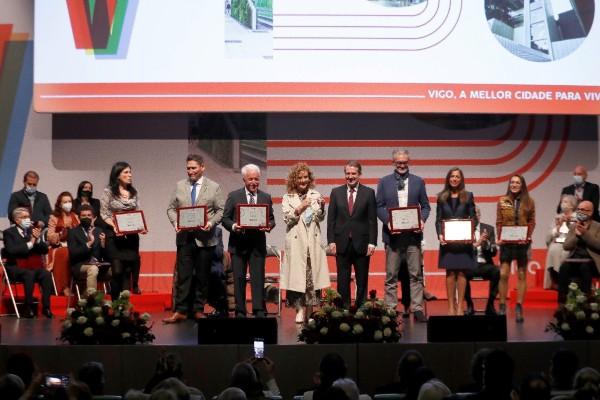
<point>578,179</point>
<point>30,190</point>
<point>67,207</point>
<point>581,216</point>
<point>25,223</point>
<point>85,222</point>
<point>86,193</point>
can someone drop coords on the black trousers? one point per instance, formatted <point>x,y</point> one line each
<point>29,277</point>
<point>241,261</point>
<point>580,272</point>
<point>344,262</point>
<point>121,272</point>
<point>193,275</point>
<point>488,272</point>
<point>404,279</point>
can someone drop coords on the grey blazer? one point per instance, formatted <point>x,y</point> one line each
<point>210,195</point>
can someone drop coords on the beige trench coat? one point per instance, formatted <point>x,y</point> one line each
<point>303,241</point>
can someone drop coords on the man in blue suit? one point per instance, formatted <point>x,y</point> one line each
<point>402,189</point>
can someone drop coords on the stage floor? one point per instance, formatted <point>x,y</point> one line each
<point>41,331</point>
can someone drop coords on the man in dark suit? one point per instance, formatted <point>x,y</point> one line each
<point>248,247</point>
<point>582,190</point>
<point>23,251</point>
<point>485,243</point>
<point>352,232</point>
<point>36,202</point>
<point>402,189</point>
<point>86,244</point>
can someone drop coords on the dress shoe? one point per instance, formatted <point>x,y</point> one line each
<point>502,310</point>
<point>519,313</point>
<point>406,313</point>
<point>47,313</point>
<point>470,311</point>
<point>420,316</point>
<point>490,311</point>
<point>27,313</point>
<point>136,290</point>
<point>175,318</point>
<point>429,296</point>
<point>260,314</point>
<point>218,314</point>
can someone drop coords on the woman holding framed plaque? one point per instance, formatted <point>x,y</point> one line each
<point>515,221</point>
<point>305,268</point>
<point>454,226</point>
<point>121,198</point>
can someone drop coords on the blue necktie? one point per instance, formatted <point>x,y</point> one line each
<point>194,193</point>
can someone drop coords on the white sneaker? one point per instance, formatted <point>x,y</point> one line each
<point>300,315</point>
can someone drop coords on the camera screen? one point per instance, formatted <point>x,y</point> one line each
<point>259,348</point>
<point>57,380</point>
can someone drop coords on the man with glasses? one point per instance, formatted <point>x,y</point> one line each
<point>583,243</point>
<point>402,189</point>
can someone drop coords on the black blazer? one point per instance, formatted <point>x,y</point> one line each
<point>41,206</point>
<point>15,247</point>
<point>488,248</point>
<point>590,193</point>
<point>362,223</point>
<point>249,238</point>
<point>94,203</point>
<point>79,252</point>
<point>445,211</point>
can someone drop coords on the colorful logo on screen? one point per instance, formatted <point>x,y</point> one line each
<point>102,27</point>
<point>16,88</point>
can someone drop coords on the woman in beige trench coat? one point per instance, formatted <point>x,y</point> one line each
<point>304,270</point>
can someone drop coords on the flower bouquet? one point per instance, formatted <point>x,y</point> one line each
<point>95,320</point>
<point>578,318</point>
<point>373,322</point>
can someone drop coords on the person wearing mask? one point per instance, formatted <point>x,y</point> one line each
<point>85,196</point>
<point>516,208</point>
<point>87,249</point>
<point>583,245</point>
<point>30,198</point>
<point>23,250</point>
<point>248,247</point>
<point>195,248</point>
<point>486,250</point>
<point>582,190</point>
<point>305,269</point>
<point>123,249</point>
<point>352,232</point>
<point>454,202</point>
<point>555,238</point>
<point>61,221</point>
<point>402,189</point>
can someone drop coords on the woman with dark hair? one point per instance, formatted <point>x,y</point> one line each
<point>85,192</point>
<point>454,202</point>
<point>305,269</point>
<point>61,220</point>
<point>123,250</point>
<point>516,208</point>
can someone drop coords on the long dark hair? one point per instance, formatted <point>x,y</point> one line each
<point>80,188</point>
<point>444,195</point>
<point>113,181</point>
<point>57,208</point>
<point>524,195</point>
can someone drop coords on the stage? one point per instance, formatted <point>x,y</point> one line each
<point>208,366</point>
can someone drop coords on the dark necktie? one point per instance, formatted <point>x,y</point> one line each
<point>351,200</point>
<point>252,200</point>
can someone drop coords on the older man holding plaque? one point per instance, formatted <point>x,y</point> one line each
<point>402,197</point>
<point>248,216</point>
<point>195,209</point>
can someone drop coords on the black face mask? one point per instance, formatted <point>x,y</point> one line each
<point>86,193</point>
<point>85,223</point>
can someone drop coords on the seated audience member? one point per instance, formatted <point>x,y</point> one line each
<point>583,245</point>
<point>583,190</point>
<point>408,364</point>
<point>563,366</point>
<point>485,245</point>
<point>264,368</point>
<point>61,221</point>
<point>167,366</point>
<point>555,238</point>
<point>232,393</point>
<point>85,192</point>
<point>11,387</point>
<point>331,368</point>
<point>134,394</point>
<point>535,387</point>
<point>243,376</point>
<point>476,371</point>
<point>178,388</point>
<point>23,250</point>
<point>21,364</point>
<point>92,374</point>
<point>422,375</point>
<point>586,376</point>
<point>78,391</point>
<point>350,388</point>
<point>433,389</point>
<point>87,248</point>
<point>35,202</point>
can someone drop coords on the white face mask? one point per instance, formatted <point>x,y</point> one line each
<point>578,179</point>
<point>25,223</point>
<point>67,207</point>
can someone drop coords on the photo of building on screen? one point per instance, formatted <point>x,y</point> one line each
<point>398,3</point>
<point>540,30</point>
<point>249,28</point>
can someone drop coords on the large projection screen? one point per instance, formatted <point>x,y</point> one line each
<point>492,56</point>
